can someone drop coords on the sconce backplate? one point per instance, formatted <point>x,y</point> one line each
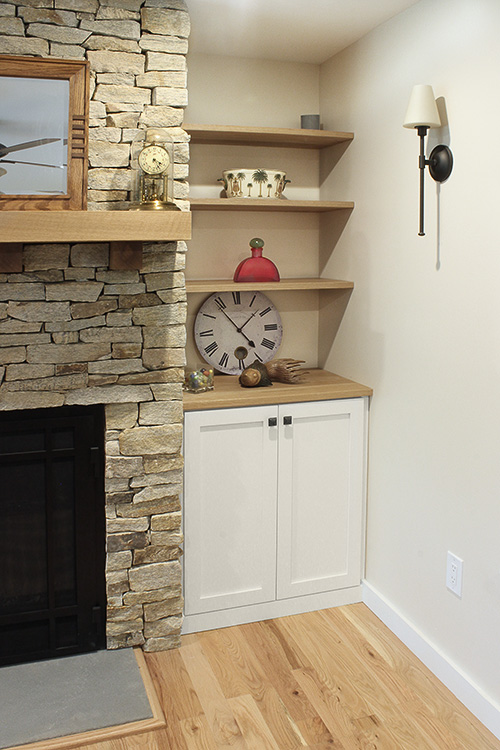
<point>440,163</point>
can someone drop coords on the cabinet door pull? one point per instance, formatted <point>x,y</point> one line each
<point>287,420</point>
<point>272,421</point>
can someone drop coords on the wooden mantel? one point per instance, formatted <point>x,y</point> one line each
<point>94,226</point>
<point>125,230</point>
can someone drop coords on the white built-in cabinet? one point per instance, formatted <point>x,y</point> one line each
<point>273,510</point>
<point>274,482</point>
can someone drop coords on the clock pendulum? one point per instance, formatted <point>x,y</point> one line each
<point>233,329</point>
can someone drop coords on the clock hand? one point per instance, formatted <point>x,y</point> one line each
<point>4,150</point>
<point>32,163</point>
<point>247,321</point>
<point>250,342</point>
<point>230,319</point>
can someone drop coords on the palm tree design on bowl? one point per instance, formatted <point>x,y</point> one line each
<point>254,183</point>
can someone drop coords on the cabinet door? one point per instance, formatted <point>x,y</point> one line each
<point>320,496</point>
<point>230,508</point>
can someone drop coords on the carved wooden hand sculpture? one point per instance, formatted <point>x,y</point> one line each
<point>286,370</point>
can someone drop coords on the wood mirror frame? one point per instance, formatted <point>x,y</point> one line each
<point>76,72</point>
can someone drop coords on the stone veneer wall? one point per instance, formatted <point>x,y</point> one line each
<point>73,331</point>
<point>137,55</point>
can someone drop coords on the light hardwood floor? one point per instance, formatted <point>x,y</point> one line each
<point>331,680</point>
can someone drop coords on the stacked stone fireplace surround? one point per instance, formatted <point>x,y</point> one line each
<point>75,332</point>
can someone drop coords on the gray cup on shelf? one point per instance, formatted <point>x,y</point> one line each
<point>309,122</point>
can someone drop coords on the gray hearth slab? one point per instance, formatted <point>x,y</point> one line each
<point>55,698</point>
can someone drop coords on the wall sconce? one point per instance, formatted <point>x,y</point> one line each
<point>422,114</point>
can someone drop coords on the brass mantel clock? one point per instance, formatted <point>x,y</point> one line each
<point>153,163</point>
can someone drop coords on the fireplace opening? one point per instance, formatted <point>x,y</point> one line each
<point>52,533</point>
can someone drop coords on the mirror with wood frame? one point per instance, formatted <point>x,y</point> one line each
<point>43,133</point>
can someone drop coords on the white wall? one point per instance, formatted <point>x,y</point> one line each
<point>423,324</point>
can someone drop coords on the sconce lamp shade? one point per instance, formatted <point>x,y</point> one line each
<point>422,109</point>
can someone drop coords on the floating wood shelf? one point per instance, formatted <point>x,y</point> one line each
<point>318,385</point>
<point>280,137</point>
<point>267,204</point>
<point>226,285</point>
<point>94,226</point>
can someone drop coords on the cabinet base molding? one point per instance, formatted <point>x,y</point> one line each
<point>225,618</point>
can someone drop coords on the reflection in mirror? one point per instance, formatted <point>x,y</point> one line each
<point>33,136</point>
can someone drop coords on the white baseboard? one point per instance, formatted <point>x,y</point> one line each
<point>448,673</point>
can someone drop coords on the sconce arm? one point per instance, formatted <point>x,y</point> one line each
<point>440,163</point>
<point>422,162</point>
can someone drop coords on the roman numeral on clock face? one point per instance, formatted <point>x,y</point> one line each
<point>268,344</point>
<point>220,303</point>
<point>235,327</point>
<point>211,348</point>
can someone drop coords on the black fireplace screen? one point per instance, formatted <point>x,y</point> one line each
<point>52,533</point>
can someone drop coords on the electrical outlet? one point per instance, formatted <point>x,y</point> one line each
<point>454,569</point>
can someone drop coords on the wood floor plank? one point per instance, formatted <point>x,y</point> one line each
<point>167,668</point>
<point>274,660</point>
<point>221,721</point>
<point>371,733</point>
<point>196,733</point>
<point>328,706</point>
<point>157,740</point>
<point>430,731</point>
<point>375,685</point>
<point>315,733</point>
<point>293,657</point>
<point>335,677</point>
<point>254,729</point>
<point>439,702</point>
<point>239,671</point>
<point>394,684</point>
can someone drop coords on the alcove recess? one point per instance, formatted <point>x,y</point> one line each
<point>222,227</point>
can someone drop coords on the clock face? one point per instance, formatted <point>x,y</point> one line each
<point>153,159</point>
<point>233,329</point>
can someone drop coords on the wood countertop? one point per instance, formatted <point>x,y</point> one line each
<point>318,385</point>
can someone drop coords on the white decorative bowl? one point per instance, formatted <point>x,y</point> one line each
<point>254,183</point>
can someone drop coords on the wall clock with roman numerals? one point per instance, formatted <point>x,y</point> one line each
<point>233,329</point>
